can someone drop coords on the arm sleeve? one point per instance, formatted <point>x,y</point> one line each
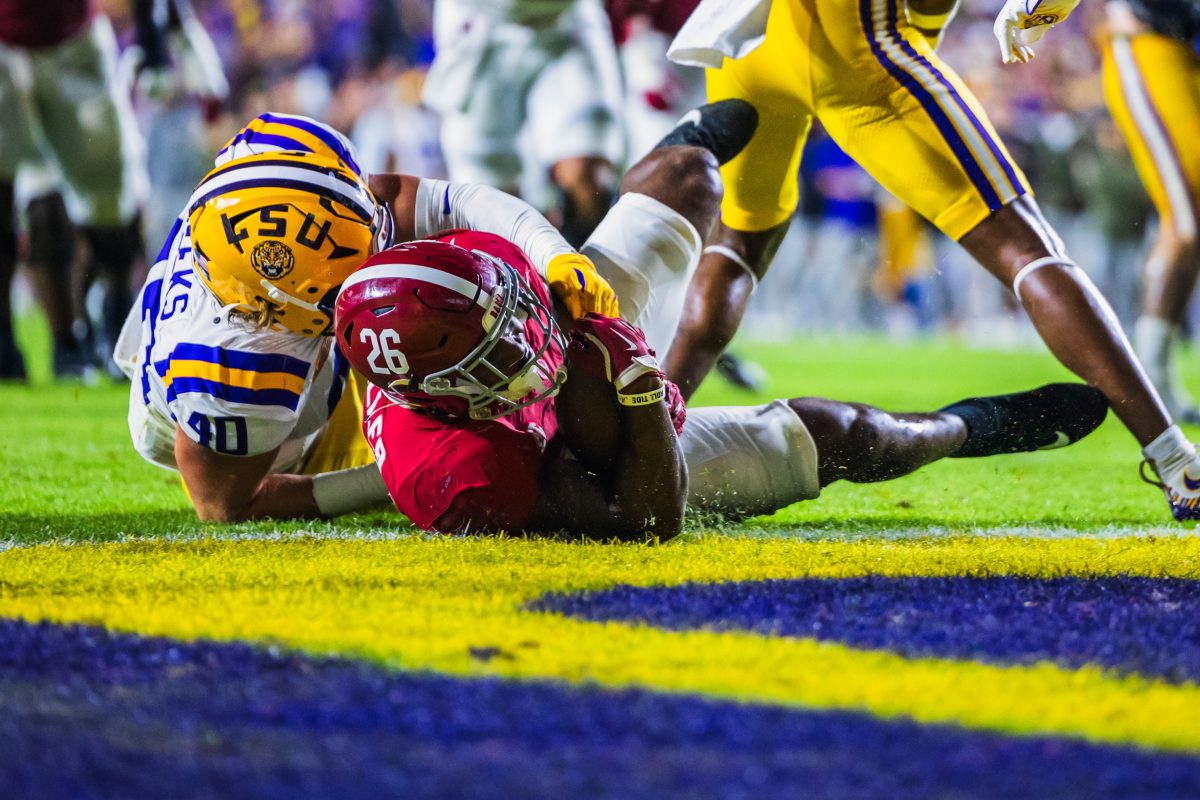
<point>441,205</point>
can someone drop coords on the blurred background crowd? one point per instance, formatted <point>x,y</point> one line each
<point>854,261</point>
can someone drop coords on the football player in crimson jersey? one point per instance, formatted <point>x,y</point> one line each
<point>489,411</point>
<point>233,382</point>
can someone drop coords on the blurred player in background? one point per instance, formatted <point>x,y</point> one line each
<point>1152,86</point>
<point>234,383</point>
<point>542,73</point>
<point>869,72</point>
<point>60,99</point>
<point>483,418</point>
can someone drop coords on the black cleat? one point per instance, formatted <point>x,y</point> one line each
<point>1055,415</point>
<point>723,128</point>
<point>738,373</point>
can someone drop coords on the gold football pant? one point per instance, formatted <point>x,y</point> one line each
<point>885,98</point>
<point>1152,85</point>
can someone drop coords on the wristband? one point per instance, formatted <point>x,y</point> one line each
<point>349,490</point>
<point>643,399</point>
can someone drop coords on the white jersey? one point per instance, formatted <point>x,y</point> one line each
<point>720,29</point>
<point>233,390</point>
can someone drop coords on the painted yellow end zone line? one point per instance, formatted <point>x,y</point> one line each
<point>421,604</point>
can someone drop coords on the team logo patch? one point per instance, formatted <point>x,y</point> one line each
<point>1036,20</point>
<point>273,259</point>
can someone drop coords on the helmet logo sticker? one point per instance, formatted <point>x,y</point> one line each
<point>272,259</point>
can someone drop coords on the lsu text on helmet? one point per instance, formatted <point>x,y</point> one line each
<point>275,234</point>
<point>449,331</point>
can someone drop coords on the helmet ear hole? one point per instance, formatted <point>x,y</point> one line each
<point>346,334</point>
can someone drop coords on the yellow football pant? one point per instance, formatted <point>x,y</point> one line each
<point>885,98</point>
<point>342,444</point>
<point>1152,85</point>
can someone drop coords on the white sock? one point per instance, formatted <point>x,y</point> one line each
<point>1171,450</point>
<point>1153,338</point>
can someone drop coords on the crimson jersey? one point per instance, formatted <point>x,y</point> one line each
<point>445,475</point>
<point>42,23</point>
<point>460,475</point>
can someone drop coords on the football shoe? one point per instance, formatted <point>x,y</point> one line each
<point>1054,415</point>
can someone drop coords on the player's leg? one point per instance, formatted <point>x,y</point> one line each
<point>51,261</point>
<point>89,126</point>
<point>1152,86</point>
<point>12,363</point>
<point>16,144</point>
<point>761,192</point>
<point>919,131</point>
<point>863,444</point>
<point>758,459</point>
<point>575,116</point>
<point>648,245</point>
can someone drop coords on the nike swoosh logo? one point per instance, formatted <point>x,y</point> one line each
<point>1192,485</point>
<point>632,344</point>
<point>692,116</point>
<point>1060,440</point>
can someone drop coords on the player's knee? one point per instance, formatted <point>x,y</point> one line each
<point>866,434</point>
<point>686,179</point>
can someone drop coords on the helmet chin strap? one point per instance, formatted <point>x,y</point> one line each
<point>278,295</point>
<point>532,381</point>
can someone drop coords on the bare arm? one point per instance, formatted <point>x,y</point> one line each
<point>636,490</point>
<point>235,488</point>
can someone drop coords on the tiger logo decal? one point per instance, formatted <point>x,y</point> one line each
<point>272,259</point>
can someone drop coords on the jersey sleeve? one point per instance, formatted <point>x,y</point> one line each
<point>454,479</point>
<point>232,401</point>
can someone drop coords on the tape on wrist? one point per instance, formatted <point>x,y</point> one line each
<point>644,399</point>
<point>348,490</point>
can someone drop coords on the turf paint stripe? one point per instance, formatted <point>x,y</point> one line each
<point>430,604</point>
<point>1144,626</point>
<point>82,711</point>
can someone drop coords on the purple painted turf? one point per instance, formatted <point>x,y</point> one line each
<point>87,714</point>
<point>1149,626</point>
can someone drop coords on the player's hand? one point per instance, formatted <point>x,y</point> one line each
<point>677,407</point>
<point>1021,23</point>
<point>611,349</point>
<point>574,279</point>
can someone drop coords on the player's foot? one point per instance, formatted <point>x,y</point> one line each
<point>1180,485</point>
<point>741,374</point>
<point>1055,415</point>
<point>723,128</point>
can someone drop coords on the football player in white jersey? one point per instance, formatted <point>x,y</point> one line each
<point>538,73</point>
<point>234,383</point>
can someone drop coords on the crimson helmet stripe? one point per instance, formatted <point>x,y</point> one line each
<point>356,198</point>
<point>418,272</point>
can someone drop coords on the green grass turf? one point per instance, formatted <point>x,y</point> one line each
<point>70,472</point>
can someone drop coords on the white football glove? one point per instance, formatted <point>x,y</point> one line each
<point>1022,22</point>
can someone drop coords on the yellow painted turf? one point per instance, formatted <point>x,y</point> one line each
<point>422,604</point>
